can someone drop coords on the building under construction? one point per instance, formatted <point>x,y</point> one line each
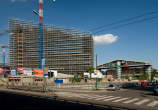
<point>65,50</point>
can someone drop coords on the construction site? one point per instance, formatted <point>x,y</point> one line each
<point>65,50</point>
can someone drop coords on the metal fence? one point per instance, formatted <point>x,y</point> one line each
<point>27,83</point>
<point>45,84</point>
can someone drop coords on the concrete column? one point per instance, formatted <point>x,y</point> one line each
<point>118,70</point>
<point>148,70</point>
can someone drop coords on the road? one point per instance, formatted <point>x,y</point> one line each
<point>137,99</point>
<point>131,99</point>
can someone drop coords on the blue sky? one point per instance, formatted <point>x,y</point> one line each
<point>134,42</point>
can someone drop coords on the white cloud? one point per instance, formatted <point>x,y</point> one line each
<point>105,39</point>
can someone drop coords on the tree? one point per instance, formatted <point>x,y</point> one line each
<point>126,77</point>
<point>146,76</point>
<point>153,74</point>
<point>133,77</point>
<point>90,70</point>
<point>141,77</point>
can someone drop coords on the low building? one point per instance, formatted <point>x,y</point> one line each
<point>118,69</point>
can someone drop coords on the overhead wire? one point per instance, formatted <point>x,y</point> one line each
<point>124,21</point>
<point>123,25</point>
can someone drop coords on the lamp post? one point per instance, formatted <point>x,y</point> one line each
<point>40,38</point>
<point>96,84</point>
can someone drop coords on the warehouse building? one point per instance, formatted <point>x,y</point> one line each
<point>65,50</point>
<point>118,69</point>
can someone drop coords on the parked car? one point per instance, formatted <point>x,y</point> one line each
<point>113,87</point>
<point>155,90</point>
<point>150,83</point>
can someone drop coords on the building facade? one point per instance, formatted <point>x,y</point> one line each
<point>118,69</point>
<point>65,50</point>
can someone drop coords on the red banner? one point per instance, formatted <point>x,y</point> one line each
<point>38,72</point>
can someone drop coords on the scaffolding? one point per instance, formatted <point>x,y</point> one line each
<point>65,50</point>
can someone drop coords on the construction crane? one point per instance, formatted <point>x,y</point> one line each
<point>3,54</point>
<point>6,31</point>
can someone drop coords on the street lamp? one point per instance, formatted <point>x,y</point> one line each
<point>40,42</point>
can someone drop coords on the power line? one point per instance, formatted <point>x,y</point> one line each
<point>123,25</point>
<point>124,20</point>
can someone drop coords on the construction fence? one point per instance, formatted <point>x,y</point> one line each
<point>43,84</point>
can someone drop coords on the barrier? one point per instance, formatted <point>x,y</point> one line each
<point>27,83</point>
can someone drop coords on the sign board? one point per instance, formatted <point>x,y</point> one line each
<point>13,72</point>
<point>58,81</point>
<point>27,71</point>
<point>20,69</point>
<point>43,62</point>
<point>38,72</point>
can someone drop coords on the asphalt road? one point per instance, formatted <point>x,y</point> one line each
<point>11,100</point>
<point>135,98</point>
<point>61,99</point>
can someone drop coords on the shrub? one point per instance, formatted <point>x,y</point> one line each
<point>76,80</point>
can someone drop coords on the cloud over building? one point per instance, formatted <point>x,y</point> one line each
<point>105,39</point>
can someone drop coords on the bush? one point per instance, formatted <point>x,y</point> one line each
<point>141,77</point>
<point>76,80</point>
<point>126,77</point>
<point>133,77</point>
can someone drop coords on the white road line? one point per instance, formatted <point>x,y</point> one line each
<point>132,100</point>
<point>112,98</point>
<point>142,101</point>
<point>80,96</point>
<point>87,96</point>
<point>104,97</point>
<point>94,97</point>
<point>120,100</point>
<point>152,104</point>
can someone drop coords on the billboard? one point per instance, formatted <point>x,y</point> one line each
<point>38,72</point>
<point>24,71</point>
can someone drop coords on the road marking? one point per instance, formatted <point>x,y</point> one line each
<point>112,98</point>
<point>152,104</point>
<point>120,100</point>
<point>132,100</point>
<point>142,101</point>
<point>104,97</point>
<point>93,97</point>
<point>81,96</point>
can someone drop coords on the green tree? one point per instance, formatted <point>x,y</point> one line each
<point>126,77</point>
<point>141,77</point>
<point>153,74</point>
<point>90,70</point>
<point>146,76</point>
<point>133,77</point>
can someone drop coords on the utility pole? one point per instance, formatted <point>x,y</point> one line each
<point>96,85</point>
<point>96,62</point>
